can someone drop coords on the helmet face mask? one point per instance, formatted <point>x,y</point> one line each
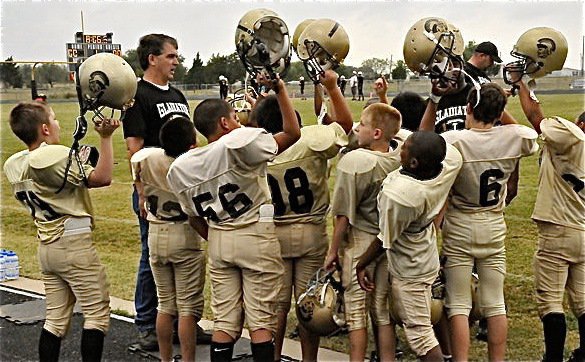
<point>322,45</point>
<point>263,42</point>
<point>539,51</point>
<point>240,105</point>
<point>434,47</point>
<point>320,308</point>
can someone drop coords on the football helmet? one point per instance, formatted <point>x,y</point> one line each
<point>241,105</point>
<point>298,31</point>
<point>320,308</point>
<point>323,45</point>
<point>106,80</point>
<point>263,42</point>
<point>540,51</point>
<point>434,47</point>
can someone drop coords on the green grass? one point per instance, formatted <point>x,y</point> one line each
<point>117,236</point>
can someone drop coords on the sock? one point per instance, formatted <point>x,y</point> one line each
<point>555,331</point>
<point>581,320</point>
<point>263,352</point>
<point>92,345</point>
<point>49,346</point>
<point>221,352</point>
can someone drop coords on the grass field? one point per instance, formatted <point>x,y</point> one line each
<point>117,236</point>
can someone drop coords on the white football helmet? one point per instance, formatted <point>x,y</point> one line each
<point>323,45</point>
<point>540,51</point>
<point>106,80</point>
<point>434,47</point>
<point>320,308</point>
<point>263,42</point>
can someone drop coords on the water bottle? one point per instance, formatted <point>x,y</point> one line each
<point>11,265</point>
<point>2,266</point>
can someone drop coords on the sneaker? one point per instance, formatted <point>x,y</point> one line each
<point>578,355</point>
<point>147,340</point>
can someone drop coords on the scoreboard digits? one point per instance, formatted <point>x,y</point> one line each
<point>87,45</point>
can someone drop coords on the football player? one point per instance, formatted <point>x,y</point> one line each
<point>474,229</point>
<point>559,262</point>
<point>224,187</point>
<point>408,235</point>
<point>70,267</point>
<point>298,184</point>
<point>176,257</point>
<point>359,176</point>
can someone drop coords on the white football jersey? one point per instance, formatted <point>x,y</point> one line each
<point>150,166</point>
<point>561,187</point>
<point>35,177</point>
<point>298,176</point>
<point>359,176</point>
<point>406,218</point>
<point>225,181</point>
<point>489,157</point>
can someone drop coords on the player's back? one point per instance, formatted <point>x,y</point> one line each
<point>298,176</point>
<point>225,181</point>
<point>489,157</point>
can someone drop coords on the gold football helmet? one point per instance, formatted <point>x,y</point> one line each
<point>298,31</point>
<point>322,45</point>
<point>263,42</point>
<point>320,308</point>
<point>540,51</point>
<point>106,80</point>
<point>434,47</point>
<point>241,105</point>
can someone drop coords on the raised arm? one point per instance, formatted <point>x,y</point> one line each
<point>341,109</point>
<point>102,173</point>
<point>530,106</point>
<point>381,89</point>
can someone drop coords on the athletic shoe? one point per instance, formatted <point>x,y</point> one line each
<point>147,340</point>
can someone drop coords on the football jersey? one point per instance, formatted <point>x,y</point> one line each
<point>489,157</point>
<point>561,191</point>
<point>35,176</point>
<point>477,74</point>
<point>298,176</point>
<point>359,176</point>
<point>450,114</point>
<point>150,166</point>
<point>225,181</point>
<point>406,218</point>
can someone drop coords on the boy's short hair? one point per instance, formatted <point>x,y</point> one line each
<point>266,114</point>
<point>25,119</point>
<point>384,117</point>
<point>152,44</point>
<point>208,112</point>
<point>412,108</point>
<point>428,148</point>
<point>177,135</point>
<point>492,101</point>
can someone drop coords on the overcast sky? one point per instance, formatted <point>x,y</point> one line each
<point>39,30</point>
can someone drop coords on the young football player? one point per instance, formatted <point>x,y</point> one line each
<point>70,267</point>
<point>359,176</point>
<point>224,187</point>
<point>298,184</point>
<point>474,228</point>
<point>176,257</point>
<point>559,262</point>
<point>408,235</point>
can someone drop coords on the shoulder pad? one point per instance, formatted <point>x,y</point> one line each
<point>144,153</point>
<point>15,164</point>
<point>49,155</point>
<point>549,123</point>
<point>242,137</point>
<point>523,131</point>
<point>357,161</point>
<point>402,135</point>
<point>320,137</point>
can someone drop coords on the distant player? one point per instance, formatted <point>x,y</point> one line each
<point>408,234</point>
<point>359,176</point>
<point>474,229</point>
<point>176,256</point>
<point>224,187</point>
<point>559,263</point>
<point>70,267</point>
<point>298,180</point>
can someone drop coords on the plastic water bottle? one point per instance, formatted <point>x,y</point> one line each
<point>11,265</point>
<point>2,266</point>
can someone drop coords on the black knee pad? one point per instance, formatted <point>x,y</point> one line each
<point>263,352</point>
<point>221,352</point>
<point>49,346</point>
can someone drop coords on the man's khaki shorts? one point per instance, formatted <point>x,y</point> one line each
<point>178,266</point>
<point>246,272</point>
<point>303,247</point>
<point>72,271</point>
<point>559,264</point>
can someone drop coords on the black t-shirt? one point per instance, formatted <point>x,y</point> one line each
<point>451,111</point>
<point>151,106</point>
<point>479,75</point>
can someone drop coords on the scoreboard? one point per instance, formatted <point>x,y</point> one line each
<point>87,45</point>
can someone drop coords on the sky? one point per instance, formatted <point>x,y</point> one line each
<point>38,30</point>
